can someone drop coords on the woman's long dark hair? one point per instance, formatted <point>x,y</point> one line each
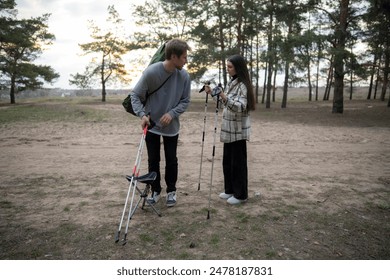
<point>242,72</point>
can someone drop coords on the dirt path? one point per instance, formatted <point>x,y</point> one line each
<point>319,188</point>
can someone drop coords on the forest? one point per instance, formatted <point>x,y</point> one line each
<point>336,44</point>
<point>344,43</point>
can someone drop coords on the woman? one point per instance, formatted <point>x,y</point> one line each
<point>238,100</point>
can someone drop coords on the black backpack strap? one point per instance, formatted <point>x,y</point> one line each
<point>149,94</point>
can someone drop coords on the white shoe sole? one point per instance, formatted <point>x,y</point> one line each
<point>225,196</point>
<point>235,201</point>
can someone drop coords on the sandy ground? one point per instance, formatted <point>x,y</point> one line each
<point>319,188</point>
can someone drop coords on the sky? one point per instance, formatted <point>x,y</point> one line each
<point>69,23</point>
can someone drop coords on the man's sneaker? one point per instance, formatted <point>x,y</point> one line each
<point>154,198</point>
<point>225,195</point>
<point>171,199</point>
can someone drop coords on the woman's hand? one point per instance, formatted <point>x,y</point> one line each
<point>207,89</point>
<point>221,94</point>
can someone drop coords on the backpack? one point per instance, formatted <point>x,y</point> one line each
<point>158,56</point>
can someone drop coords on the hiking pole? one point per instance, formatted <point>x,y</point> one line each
<point>135,171</point>
<point>133,183</point>
<point>131,209</point>
<point>203,133</point>
<point>216,92</point>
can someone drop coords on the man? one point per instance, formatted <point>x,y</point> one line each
<point>164,108</point>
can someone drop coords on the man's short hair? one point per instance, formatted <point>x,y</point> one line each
<point>177,47</point>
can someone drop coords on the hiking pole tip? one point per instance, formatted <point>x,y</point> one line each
<point>124,241</point>
<point>117,236</point>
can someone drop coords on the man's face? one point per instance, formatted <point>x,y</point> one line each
<point>179,62</point>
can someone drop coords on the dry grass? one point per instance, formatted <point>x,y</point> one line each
<point>319,185</point>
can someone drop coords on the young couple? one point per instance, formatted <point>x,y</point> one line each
<point>172,99</point>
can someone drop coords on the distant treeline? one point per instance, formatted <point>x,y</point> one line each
<point>57,92</point>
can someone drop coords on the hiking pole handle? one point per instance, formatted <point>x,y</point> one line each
<point>148,125</point>
<point>204,86</point>
<point>217,91</point>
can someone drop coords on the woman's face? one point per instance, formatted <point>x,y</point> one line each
<point>230,68</point>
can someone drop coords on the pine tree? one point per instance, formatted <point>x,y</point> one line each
<point>109,48</point>
<point>21,42</point>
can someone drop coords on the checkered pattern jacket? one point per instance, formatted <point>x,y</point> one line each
<point>235,118</point>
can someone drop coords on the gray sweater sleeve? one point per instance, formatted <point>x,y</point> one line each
<point>138,95</point>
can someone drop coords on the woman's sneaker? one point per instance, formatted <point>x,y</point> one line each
<point>154,198</point>
<point>171,199</point>
<point>225,195</point>
<point>234,201</point>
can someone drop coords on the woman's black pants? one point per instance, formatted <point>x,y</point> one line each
<point>235,169</point>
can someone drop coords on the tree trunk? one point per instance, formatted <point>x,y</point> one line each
<point>384,87</point>
<point>318,70</point>
<point>341,34</point>
<point>377,81</point>
<point>104,93</point>
<point>12,90</point>
<point>103,80</point>
<point>239,9</point>
<point>338,99</point>
<point>289,57</point>
<point>309,62</point>
<point>351,77</point>
<point>309,80</point>
<point>385,74</point>
<point>329,80</point>
<point>257,68</point>
<point>265,83</point>
<point>285,84</point>
<point>222,43</point>
<point>270,57</point>
<point>274,87</point>
<point>351,86</point>
<point>269,81</point>
<point>372,77</point>
<point>371,83</point>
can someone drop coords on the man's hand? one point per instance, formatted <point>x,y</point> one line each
<point>145,121</point>
<point>165,119</point>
